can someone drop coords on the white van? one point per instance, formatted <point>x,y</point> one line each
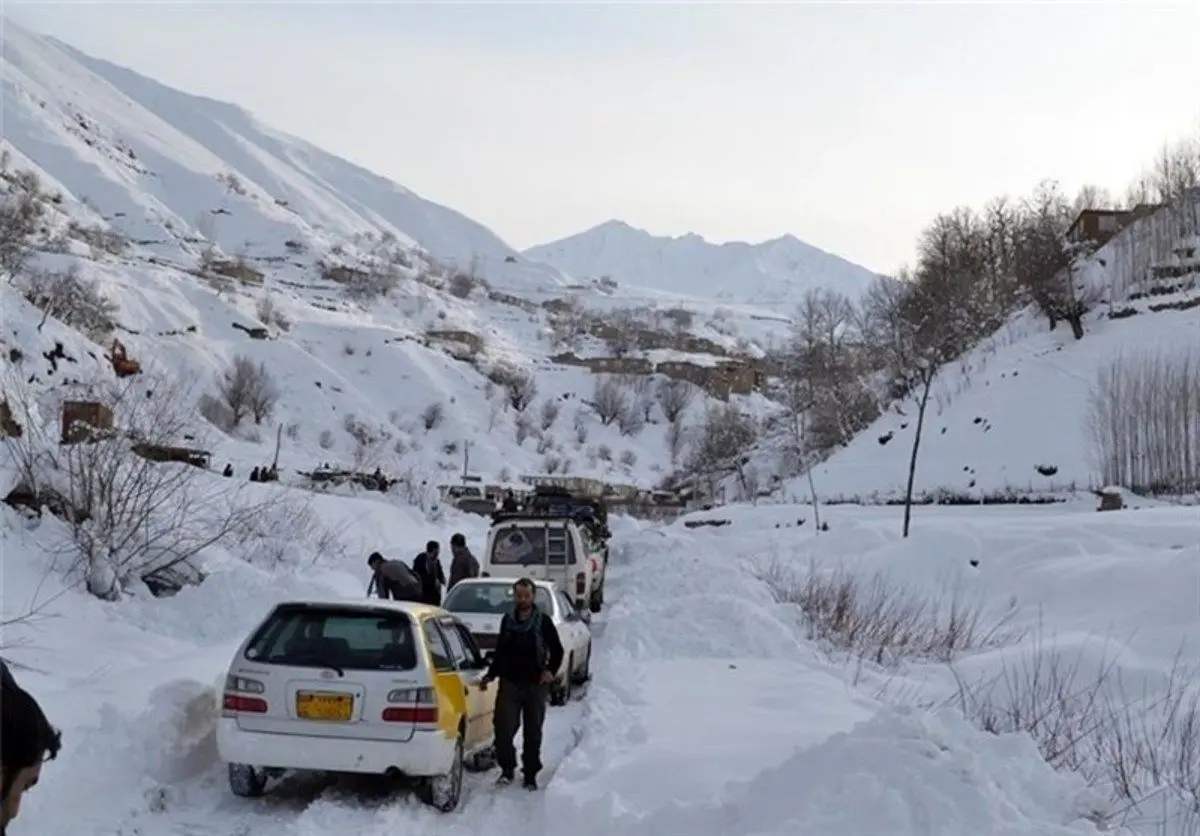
<point>552,548</point>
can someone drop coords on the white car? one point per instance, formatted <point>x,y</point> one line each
<point>367,686</point>
<point>480,603</point>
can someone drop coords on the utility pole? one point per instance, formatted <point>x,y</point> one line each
<point>466,460</point>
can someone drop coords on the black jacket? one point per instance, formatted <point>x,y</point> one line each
<point>433,578</point>
<point>522,654</point>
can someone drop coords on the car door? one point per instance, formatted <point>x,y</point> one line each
<point>486,694</point>
<point>451,694</point>
<point>468,676</point>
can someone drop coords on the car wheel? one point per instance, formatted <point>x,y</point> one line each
<point>246,781</point>
<point>597,600</point>
<point>585,672</point>
<point>442,792</point>
<point>561,694</point>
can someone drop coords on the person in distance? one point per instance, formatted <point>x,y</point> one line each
<point>392,579</point>
<point>462,564</point>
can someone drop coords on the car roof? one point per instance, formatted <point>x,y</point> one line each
<point>412,608</point>
<point>494,579</point>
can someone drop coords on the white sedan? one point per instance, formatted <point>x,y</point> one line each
<point>480,603</point>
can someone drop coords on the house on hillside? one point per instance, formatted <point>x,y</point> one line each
<point>1154,243</point>
<point>1097,226</point>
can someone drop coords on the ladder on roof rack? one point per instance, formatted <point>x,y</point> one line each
<point>557,545</point>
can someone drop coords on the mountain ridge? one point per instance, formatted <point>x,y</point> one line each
<point>776,271</point>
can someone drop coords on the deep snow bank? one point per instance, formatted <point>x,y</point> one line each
<point>710,715</point>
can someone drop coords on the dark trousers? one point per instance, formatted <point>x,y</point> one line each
<point>524,705</point>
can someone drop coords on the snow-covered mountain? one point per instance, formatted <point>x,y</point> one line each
<point>772,273</point>
<point>116,137</point>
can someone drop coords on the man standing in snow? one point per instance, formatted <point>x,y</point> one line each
<point>392,579</point>
<point>528,652</point>
<point>428,568</point>
<point>462,563</point>
<point>27,740</point>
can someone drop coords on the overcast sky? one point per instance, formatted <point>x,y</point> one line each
<point>848,126</point>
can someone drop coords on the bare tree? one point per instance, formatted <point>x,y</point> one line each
<point>642,388</point>
<point>609,401</point>
<point>630,421</point>
<point>127,516</point>
<point>914,326</point>
<point>676,437</point>
<point>621,336</point>
<point>518,385</point>
<point>674,397</point>
<point>247,389</point>
<point>723,440</point>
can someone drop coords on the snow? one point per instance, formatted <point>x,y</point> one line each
<point>769,274</point>
<point>714,709</point>
<point>1018,401</point>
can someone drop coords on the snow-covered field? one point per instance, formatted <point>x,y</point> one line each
<point>711,710</point>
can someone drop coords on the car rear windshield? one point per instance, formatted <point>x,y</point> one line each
<point>491,598</point>
<point>345,638</point>
<point>526,546</point>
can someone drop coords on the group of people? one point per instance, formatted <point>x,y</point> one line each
<point>426,580</point>
<point>27,740</point>
<point>528,648</point>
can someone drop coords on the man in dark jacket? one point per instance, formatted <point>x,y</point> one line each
<point>428,567</point>
<point>463,564</point>
<point>392,579</point>
<point>527,655</point>
<point>27,740</point>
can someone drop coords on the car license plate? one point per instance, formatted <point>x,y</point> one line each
<point>322,705</point>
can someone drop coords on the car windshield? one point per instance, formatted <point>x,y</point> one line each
<point>491,598</point>
<point>526,546</point>
<point>349,638</point>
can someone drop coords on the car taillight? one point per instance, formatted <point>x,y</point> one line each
<point>420,706</point>
<point>243,704</point>
<point>237,697</point>
<point>580,583</point>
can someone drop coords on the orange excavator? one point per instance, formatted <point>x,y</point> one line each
<point>122,364</point>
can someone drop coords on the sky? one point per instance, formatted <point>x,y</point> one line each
<point>847,125</point>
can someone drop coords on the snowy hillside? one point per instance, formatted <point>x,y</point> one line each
<point>213,237</point>
<point>773,273</point>
<point>1012,417</point>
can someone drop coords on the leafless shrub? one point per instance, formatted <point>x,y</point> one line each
<point>629,459</point>
<point>349,349</point>
<point>545,443</point>
<point>433,415</point>
<point>247,389</point>
<point>127,518</point>
<point>71,299</point>
<point>268,313</point>
<point>518,385</point>
<point>22,206</point>
<point>579,425</point>
<point>325,439</point>
<point>674,397</point>
<point>609,400</point>
<point>289,534</point>
<point>1144,422</point>
<point>461,285</point>
<point>604,453</point>
<point>550,410</point>
<point>631,421</point>
<point>676,438</point>
<point>100,239</point>
<point>880,621</point>
<point>524,428</point>
<point>1085,718</point>
<point>552,463</point>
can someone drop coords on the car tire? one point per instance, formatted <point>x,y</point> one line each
<point>443,792</point>
<point>561,693</point>
<point>585,672</point>
<point>596,603</point>
<point>246,781</point>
